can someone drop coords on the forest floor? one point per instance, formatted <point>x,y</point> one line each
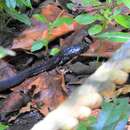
<point>47,82</point>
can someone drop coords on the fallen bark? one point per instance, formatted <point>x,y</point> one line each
<point>87,96</point>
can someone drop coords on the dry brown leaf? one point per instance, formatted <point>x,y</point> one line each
<point>27,37</point>
<point>109,93</point>
<point>13,103</point>
<point>114,92</point>
<point>26,108</point>
<point>74,38</point>
<point>49,91</point>
<point>46,88</point>
<point>40,31</point>
<point>6,70</point>
<point>22,110</point>
<point>12,118</point>
<point>44,110</point>
<point>102,48</point>
<point>124,90</point>
<point>51,12</point>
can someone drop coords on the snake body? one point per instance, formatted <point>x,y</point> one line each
<point>65,55</point>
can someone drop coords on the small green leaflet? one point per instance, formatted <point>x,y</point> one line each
<point>109,1</point>
<point>61,20</point>
<point>14,3</point>
<point>11,3</point>
<point>107,13</point>
<point>123,20</point>
<point>95,29</point>
<point>54,51</point>
<point>85,19</point>
<point>83,125</point>
<point>70,6</point>
<point>114,116</point>
<point>27,3</point>
<point>24,3</point>
<point>99,17</point>
<point>91,2</point>
<point>3,127</point>
<point>86,2</point>
<point>116,12</point>
<point>39,44</point>
<point>4,52</point>
<point>115,36</point>
<point>21,17</point>
<point>40,18</point>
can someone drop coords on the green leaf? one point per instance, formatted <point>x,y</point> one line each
<point>62,20</point>
<point>11,3</point>
<point>99,17</point>
<point>54,51</point>
<point>85,19</point>
<point>4,52</point>
<point>27,3</point>
<point>127,3</point>
<point>113,116</point>
<point>84,125</point>
<point>123,20</point>
<point>2,5</point>
<point>21,17</point>
<point>81,126</point>
<point>95,29</point>
<point>40,18</point>
<point>91,2</point>
<point>39,44</point>
<point>3,127</point>
<point>114,36</point>
<point>89,121</point>
<point>116,12</point>
<point>24,3</point>
<point>70,6</point>
<point>109,1</point>
<point>86,2</point>
<point>119,2</point>
<point>107,13</point>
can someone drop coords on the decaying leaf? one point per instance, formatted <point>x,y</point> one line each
<point>115,91</point>
<point>45,89</point>
<point>124,90</point>
<point>50,94</point>
<point>13,103</point>
<point>6,70</point>
<point>40,31</point>
<point>102,48</point>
